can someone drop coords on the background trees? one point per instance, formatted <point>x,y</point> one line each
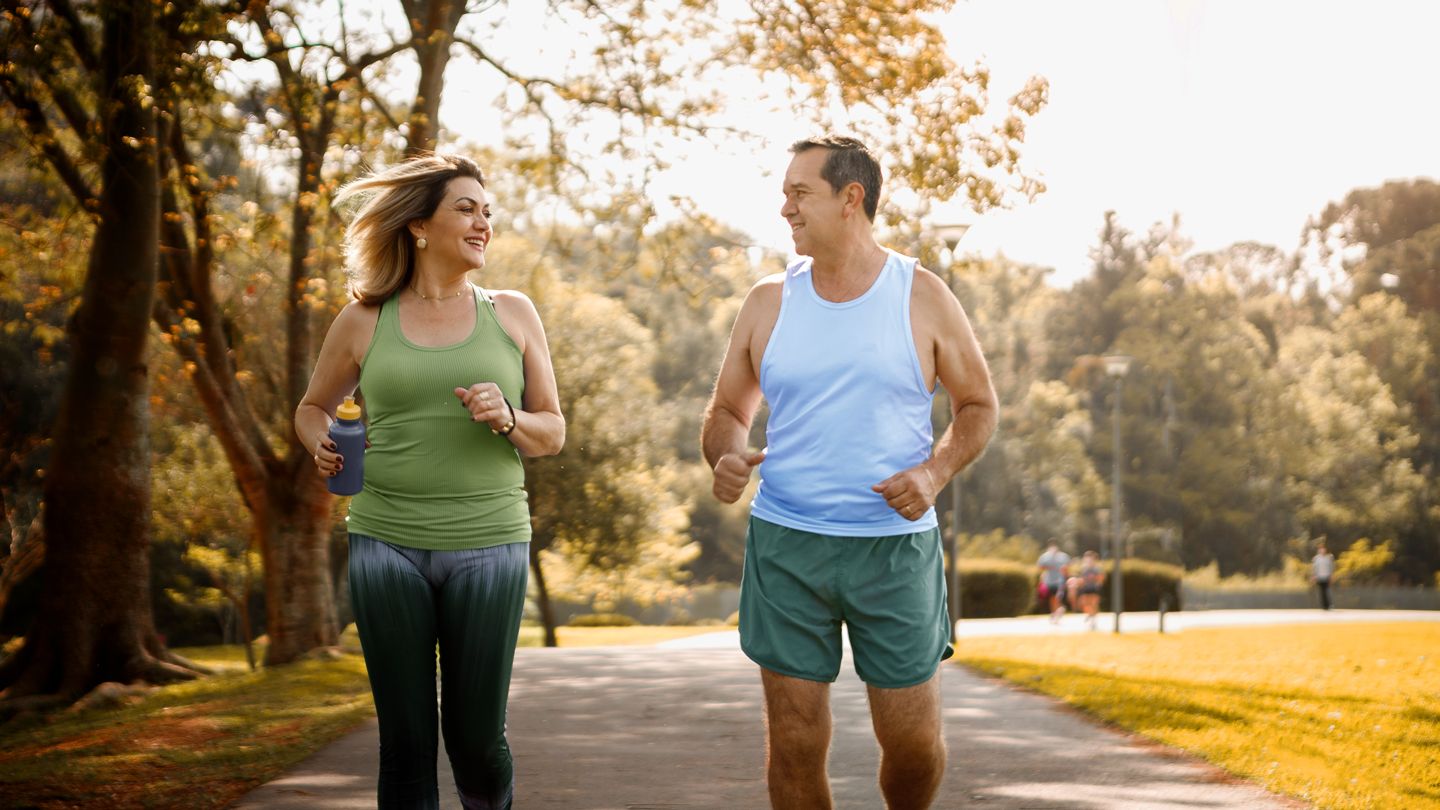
<point>1279,395</point>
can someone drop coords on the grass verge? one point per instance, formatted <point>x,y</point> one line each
<point>1344,716</point>
<point>199,745</point>
<point>206,743</point>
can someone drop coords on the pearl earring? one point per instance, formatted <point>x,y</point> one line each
<point>421,243</point>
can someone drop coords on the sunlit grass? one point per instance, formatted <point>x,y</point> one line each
<point>1344,716</point>
<point>200,744</point>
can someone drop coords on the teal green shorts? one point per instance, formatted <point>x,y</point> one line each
<point>799,587</point>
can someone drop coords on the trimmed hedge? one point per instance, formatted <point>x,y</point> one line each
<point>993,589</point>
<point>1145,583</point>
<point>602,620</point>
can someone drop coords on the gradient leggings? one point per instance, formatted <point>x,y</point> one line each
<point>406,601</point>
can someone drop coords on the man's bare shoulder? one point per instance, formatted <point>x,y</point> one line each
<point>764,296</point>
<point>769,285</point>
<point>929,283</point>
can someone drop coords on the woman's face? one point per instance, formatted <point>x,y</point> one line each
<point>459,230</point>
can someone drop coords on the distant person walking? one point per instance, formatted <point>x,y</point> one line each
<point>1052,566</point>
<point>1322,570</point>
<point>457,385</point>
<point>846,346</point>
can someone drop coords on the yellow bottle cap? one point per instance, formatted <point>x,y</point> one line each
<point>348,410</point>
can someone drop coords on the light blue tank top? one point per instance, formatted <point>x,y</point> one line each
<point>848,407</point>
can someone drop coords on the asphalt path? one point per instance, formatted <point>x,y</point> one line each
<point>679,725</point>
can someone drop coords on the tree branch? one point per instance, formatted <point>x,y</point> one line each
<point>32,117</point>
<point>79,39</point>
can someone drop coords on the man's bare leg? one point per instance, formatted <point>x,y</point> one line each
<point>912,748</point>
<point>797,736</point>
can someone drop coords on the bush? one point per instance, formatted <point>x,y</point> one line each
<point>602,620</point>
<point>991,589</point>
<point>1145,583</point>
<point>734,618</point>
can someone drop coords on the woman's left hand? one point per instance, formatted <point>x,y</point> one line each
<point>486,404</point>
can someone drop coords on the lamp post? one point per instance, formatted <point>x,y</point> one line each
<point>951,235</point>
<point>1116,366</point>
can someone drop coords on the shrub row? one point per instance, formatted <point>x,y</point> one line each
<point>992,589</point>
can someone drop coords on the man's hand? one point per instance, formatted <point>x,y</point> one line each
<point>910,492</point>
<point>732,473</point>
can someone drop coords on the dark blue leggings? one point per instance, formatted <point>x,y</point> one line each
<point>407,601</point>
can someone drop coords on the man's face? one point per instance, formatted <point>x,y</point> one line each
<point>812,208</point>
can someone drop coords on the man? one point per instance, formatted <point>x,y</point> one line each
<point>846,346</point>
<point>1322,569</point>
<point>1052,565</point>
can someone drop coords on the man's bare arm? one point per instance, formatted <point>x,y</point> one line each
<point>960,368</point>
<point>974,408</point>
<point>735,400</point>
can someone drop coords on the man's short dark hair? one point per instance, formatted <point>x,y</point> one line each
<point>848,162</point>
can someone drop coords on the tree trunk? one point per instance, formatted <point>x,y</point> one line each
<point>438,32</point>
<point>293,532</point>
<point>542,597</point>
<point>288,503</point>
<point>94,622</point>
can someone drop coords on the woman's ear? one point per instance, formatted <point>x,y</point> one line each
<point>416,227</point>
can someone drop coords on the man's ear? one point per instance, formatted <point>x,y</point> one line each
<point>854,199</point>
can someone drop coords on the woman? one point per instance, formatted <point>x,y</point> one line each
<point>457,385</point>
<point>1092,576</point>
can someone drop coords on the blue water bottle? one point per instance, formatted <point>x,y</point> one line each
<point>349,436</point>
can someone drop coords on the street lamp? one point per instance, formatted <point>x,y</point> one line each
<point>1116,366</point>
<point>951,235</point>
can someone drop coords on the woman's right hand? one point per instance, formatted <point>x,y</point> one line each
<point>327,461</point>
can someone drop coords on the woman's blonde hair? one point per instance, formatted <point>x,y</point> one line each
<point>379,248</point>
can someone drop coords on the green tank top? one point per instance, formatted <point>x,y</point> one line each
<point>434,479</point>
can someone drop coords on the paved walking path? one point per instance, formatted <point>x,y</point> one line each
<point>679,726</point>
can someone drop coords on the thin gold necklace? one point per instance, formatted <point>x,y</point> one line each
<point>416,290</point>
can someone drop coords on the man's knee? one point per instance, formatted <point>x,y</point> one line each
<point>907,721</point>
<point>797,715</point>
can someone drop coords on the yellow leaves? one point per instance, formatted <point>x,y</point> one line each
<point>316,294</point>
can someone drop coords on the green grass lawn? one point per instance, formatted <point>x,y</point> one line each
<point>1344,716</point>
<point>205,743</point>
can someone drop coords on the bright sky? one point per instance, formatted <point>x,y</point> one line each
<point>1244,117</point>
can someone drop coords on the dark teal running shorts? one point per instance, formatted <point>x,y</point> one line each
<point>799,587</point>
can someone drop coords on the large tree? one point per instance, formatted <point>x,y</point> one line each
<point>94,622</point>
